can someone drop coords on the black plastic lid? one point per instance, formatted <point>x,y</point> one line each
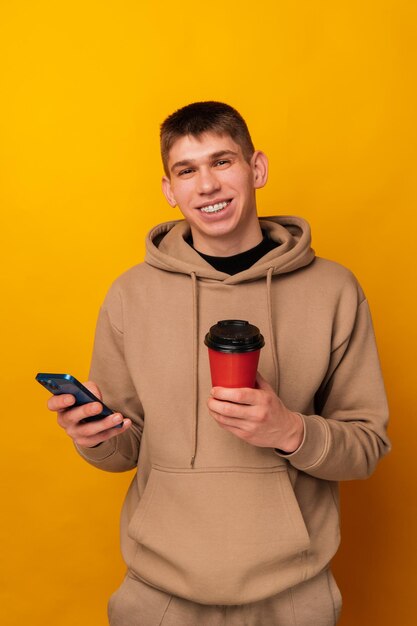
<point>234,336</point>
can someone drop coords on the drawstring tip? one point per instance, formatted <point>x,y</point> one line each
<point>192,461</point>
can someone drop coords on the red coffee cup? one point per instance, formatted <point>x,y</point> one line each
<point>234,347</point>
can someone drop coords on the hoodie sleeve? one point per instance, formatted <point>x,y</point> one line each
<point>348,437</point>
<point>109,371</point>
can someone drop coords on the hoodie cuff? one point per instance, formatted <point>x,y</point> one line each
<point>100,452</point>
<point>314,446</point>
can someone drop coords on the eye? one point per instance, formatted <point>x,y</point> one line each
<point>222,163</point>
<point>185,172</point>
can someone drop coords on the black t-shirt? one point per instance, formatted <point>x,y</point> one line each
<point>239,262</point>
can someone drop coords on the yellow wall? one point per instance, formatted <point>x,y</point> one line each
<point>328,89</point>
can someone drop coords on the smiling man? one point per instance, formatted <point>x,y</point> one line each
<point>232,516</point>
<point>214,186</point>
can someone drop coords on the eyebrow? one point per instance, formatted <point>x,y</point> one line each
<point>212,157</point>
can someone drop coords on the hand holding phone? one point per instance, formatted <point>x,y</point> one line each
<point>80,410</point>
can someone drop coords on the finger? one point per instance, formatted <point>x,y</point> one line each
<point>91,386</point>
<point>64,400</point>
<point>228,422</point>
<point>261,383</point>
<point>61,402</point>
<point>104,435</point>
<point>73,416</point>
<point>91,429</point>
<point>241,395</point>
<point>230,409</point>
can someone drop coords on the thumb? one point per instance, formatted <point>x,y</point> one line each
<point>93,388</point>
<point>261,383</point>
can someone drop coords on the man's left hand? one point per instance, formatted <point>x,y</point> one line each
<point>257,415</point>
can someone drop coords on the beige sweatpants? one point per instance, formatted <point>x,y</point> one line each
<point>316,602</point>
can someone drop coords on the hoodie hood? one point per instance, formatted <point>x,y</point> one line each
<point>167,249</point>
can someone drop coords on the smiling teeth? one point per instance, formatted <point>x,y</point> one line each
<point>213,208</point>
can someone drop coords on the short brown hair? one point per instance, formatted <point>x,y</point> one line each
<point>202,117</point>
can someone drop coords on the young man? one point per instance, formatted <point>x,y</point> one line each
<point>232,517</point>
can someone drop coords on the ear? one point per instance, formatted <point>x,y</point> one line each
<point>259,164</point>
<point>167,191</point>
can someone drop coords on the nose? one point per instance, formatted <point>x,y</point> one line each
<point>208,182</point>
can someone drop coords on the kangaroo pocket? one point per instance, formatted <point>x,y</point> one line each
<point>219,536</point>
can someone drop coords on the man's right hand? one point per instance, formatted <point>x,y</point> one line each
<point>91,433</point>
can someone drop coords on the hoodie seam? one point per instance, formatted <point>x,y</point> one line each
<point>326,445</point>
<point>107,312</point>
<point>347,339</point>
<point>220,470</point>
<point>98,458</point>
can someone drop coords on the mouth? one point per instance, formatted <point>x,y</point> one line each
<point>215,207</point>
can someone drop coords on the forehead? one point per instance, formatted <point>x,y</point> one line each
<point>190,148</point>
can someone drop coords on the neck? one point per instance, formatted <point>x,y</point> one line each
<point>228,245</point>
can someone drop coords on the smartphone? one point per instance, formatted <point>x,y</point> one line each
<point>65,383</point>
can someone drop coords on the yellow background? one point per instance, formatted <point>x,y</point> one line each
<point>328,91</point>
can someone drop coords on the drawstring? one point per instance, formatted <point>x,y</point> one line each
<point>271,328</point>
<point>195,365</point>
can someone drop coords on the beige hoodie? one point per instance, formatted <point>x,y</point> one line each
<point>208,516</point>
